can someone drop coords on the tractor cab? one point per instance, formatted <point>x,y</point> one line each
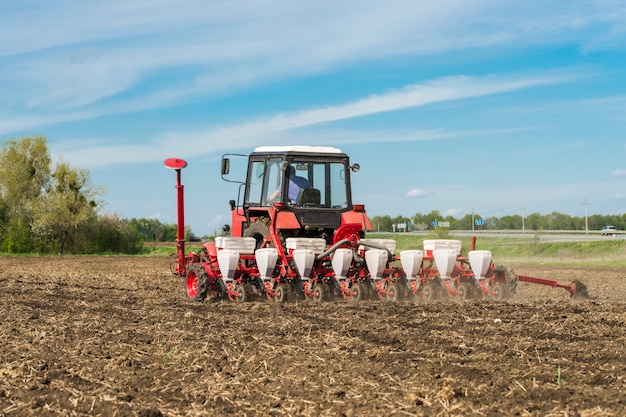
<point>300,190</point>
<point>298,180</point>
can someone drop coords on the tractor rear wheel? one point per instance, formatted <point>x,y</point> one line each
<point>284,293</point>
<point>394,292</point>
<point>259,230</point>
<point>196,282</point>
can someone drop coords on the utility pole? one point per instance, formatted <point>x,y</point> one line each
<point>472,220</point>
<point>586,204</point>
<point>523,227</point>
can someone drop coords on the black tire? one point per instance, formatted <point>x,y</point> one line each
<point>370,291</point>
<point>259,230</point>
<point>358,292</point>
<point>196,283</point>
<point>503,275</point>
<point>284,293</point>
<point>467,291</point>
<point>580,290</point>
<point>500,291</point>
<point>431,291</point>
<point>246,293</point>
<point>319,292</point>
<point>395,292</point>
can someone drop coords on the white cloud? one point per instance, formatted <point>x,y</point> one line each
<point>619,173</point>
<point>417,193</point>
<point>453,212</point>
<point>86,53</point>
<point>250,134</point>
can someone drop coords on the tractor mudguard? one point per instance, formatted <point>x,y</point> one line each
<point>287,220</point>
<point>359,217</point>
<point>211,249</point>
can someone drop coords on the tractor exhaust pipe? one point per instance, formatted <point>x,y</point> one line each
<point>177,165</point>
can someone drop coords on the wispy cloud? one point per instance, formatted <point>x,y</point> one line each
<point>111,57</point>
<point>417,193</point>
<point>453,212</point>
<point>256,132</point>
<point>619,173</point>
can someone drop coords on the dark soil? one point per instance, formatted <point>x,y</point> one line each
<point>114,336</point>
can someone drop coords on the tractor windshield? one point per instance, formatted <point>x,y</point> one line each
<point>299,182</point>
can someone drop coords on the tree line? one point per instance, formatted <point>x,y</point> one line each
<point>53,207</point>
<point>532,222</point>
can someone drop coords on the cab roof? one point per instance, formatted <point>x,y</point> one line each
<point>297,149</point>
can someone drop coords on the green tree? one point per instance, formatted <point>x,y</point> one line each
<point>110,233</point>
<point>382,223</point>
<point>24,176</point>
<point>535,221</point>
<point>69,201</point>
<point>513,222</point>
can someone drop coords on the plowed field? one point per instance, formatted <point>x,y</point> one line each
<point>114,336</point>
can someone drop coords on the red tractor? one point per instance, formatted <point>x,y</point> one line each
<point>295,212</point>
<point>295,233</point>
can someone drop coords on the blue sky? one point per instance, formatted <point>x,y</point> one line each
<point>457,106</point>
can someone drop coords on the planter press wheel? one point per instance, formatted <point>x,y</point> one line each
<point>246,293</point>
<point>466,291</point>
<point>430,291</point>
<point>319,292</point>
<point>284,293</point>
<point>196,283</point>
<point>500,291</point>
<point>359,292</point>
<point>395,292</point>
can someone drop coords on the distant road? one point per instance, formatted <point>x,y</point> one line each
<point>577,238</point>
<point>547,236</point>
<point>543,236</point>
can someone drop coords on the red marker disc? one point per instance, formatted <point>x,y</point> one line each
<point>175,163</point>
